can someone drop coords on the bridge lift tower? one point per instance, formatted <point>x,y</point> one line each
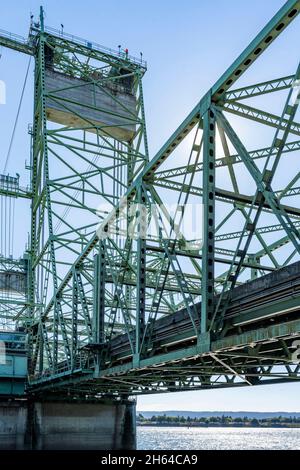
<point>113,308</point>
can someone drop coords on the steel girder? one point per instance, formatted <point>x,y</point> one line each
<point>87,289</point>
<point>74,174</point>
<point>139,263</point>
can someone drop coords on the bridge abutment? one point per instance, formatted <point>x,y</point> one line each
<point>67,425</point>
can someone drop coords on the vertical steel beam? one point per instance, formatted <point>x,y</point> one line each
<point>41,349</point>
<point>141,269</point>
<point>74,318</point>
<point>207,285</point>
<point>99,295</point>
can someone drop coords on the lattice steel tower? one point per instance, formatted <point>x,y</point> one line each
<point>110,312</point>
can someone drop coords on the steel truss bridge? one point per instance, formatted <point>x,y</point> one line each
<point>117,312</point>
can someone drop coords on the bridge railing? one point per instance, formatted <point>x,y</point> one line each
<point>94,46</point>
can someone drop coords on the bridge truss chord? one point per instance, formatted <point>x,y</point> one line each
<point>149,275</point>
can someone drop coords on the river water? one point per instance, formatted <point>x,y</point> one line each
<point>176,438</point>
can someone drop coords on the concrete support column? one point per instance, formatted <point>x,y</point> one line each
<point>67,425</point>
<point>13,421</point>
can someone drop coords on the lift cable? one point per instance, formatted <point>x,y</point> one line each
<point>17,117</point>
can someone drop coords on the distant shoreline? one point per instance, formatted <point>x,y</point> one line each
<point>217,425</point>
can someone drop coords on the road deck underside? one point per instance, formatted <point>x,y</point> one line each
<point>258,345</point>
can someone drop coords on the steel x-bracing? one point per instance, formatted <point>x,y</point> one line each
<point>121,297</point>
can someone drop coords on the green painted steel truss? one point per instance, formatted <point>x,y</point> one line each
<point>99,282</point>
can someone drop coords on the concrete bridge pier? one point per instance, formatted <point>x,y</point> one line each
<point>67,425</point>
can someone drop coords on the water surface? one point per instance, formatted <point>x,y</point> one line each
<point>176,438</point>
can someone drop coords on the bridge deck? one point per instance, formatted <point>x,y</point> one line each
<point>257,346</point>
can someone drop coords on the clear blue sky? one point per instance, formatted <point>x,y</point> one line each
<point>187,45</point>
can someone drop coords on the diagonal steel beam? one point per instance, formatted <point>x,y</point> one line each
<point>257,176</point>
<point>234,372</point>
<point>262,41</point>
<point>276,25</point>
<point>260,88</point>
<point>222,161</point>
<point>228,196</point>
<point>262,117</point>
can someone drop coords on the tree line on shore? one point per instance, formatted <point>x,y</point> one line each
<point>224,420</point>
